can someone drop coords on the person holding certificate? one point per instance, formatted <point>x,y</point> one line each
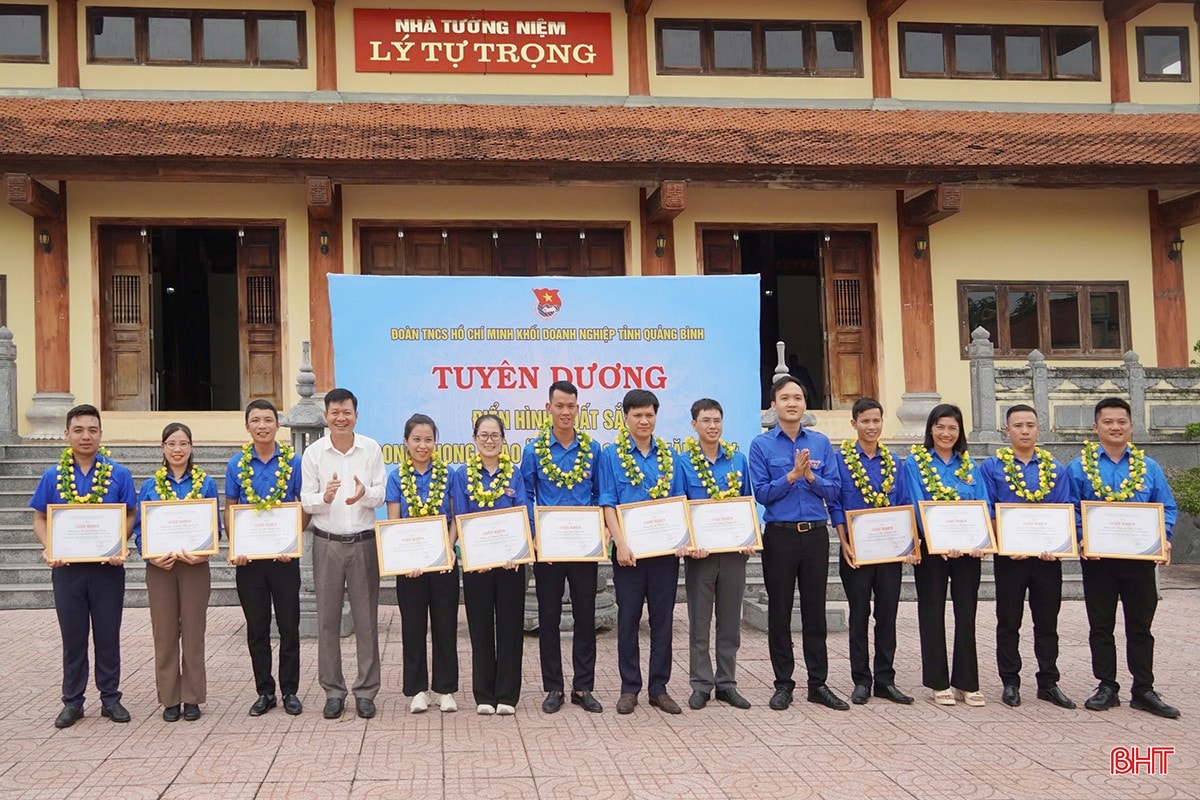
<point>941,469</point>
<point>177,584</point>
<point>342,484</point>
<point>641,467</point>
<point>559,469</point>
<point>495,598</point>
<point>1025,473</point>
<point>264,474</point>
<point>714,470</point>
<point>88,597</point>
<point>868,474</point>
<point>1114,471</point>
<point>794,474</point>
<point>420,487</point>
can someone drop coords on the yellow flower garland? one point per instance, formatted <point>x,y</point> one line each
<point>858,472</point>
<point>733,480</point>
<point>666,464</point>
<point>431,506</point>
<point>932,481</point>
<point>101,481</point>
<point>1133,483</point>
<point>553,472</point>
<point>166,492</point>
<point>486,498</point>
<point>282,475</point>
<point>1015,478</point>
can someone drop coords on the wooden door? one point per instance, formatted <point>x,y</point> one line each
<point>850,318</point>
<point>126,362</point>
<point>722,256</point>
<point>260,342</point>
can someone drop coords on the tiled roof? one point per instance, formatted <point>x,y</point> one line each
<point>773,140</point>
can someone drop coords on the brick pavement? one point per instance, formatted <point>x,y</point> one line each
<point>875,751</point>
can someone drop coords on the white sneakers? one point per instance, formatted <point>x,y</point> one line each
<point>484,710</point>
<point>505,710</point>
<point>419,703</point>
<point>447,704</point>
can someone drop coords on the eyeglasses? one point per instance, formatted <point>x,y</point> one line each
<point>489,437</point>
<point>177,446</point>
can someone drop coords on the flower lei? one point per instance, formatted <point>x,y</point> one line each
<point>282,476</point>
<point>703,471</point>
<point>1047,474</point>
<point>1133,483</point>
<point>100,481</point>
<point>167,492</point>
<point>486,498</point>
<point>877,499</point>
<point>932,481</point>
<point>666,464</point>
<point>554,473</point>
<point>428,507</point>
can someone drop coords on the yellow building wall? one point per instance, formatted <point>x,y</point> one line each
<point>1191,286</point>
<point>616,84</point>
<point>16,232</point>
<point>33,76</point>
<point>1171,15</point>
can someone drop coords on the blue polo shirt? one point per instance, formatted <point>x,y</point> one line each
<point>546,492</point>
<point>617,488</point>
<point>262,478</point>
<point>996,481</point>
<point>721,468</point>
<point>849,498</point>
<point>974,489</point>
<point>149,493</point>
<point>120,488</point>
<point>1154,487</point>
<point>392,493</point>
<point>514,493</point>
<point>772,456</point>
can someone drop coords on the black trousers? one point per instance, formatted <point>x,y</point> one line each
<point>427,603</point>
<point>650,583</point>
<point>1132,582</point>
<point>932,575</point>
<point>882,580</point>
<point>552,579</point>
<point>495,602</point>
<point>90,598</point>
<point>262,585</point>
<point>1043,582</point>
<point>791,558</point>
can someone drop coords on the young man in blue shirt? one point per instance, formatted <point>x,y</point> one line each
<point>88,597</point>
<point>794,474</point>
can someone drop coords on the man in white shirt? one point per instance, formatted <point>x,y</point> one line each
<point>343,483</point>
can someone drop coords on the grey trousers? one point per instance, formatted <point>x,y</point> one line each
<point>714,583</point>
<point>339,570</point>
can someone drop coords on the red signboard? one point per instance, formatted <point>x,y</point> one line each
<point>512,42</point>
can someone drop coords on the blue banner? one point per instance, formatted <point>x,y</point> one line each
<point>456,347</point>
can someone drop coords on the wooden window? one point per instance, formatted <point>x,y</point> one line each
<point>24,34</point>
<point>192,37</point>
<point>1062,320</point>
<point>758,47</point>
<point>999,52</point>
<point>1163,55</point>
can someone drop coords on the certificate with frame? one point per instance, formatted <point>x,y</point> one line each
<point>179,526</point>
<point>729,525</point>
<point>491,539</point>
<point>1030,529</point>
<point>656,527</point>
<point>1124,530</point>
<point>413,544</point>
<point>957,525</point>
<point>269,534</point>
<point>81,533</point>
<point>571,533</point>
<point>881,535</point>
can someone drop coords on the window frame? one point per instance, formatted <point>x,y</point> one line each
<point>1042,289</point>
<point>999,33</point>
<point>1185,52</point>
<point>758,30</point>
<point>25,10</point>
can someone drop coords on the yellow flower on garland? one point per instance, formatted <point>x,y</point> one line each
<point>1133,483</point>
<point>1015,478</point>
<point>578,473</point>
<point>666,464</point>
<point>282,475</point>
<point>167,492</point>
<point>858,473</point>
<point>431,506</point>
<point>101,481</point>
<point>932,481</point>
<point>486,498</point>
<point>733,480</point>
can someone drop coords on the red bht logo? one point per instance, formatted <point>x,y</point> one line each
<point>1131,761</point>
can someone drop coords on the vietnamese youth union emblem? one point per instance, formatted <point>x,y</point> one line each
<point>548,303</point>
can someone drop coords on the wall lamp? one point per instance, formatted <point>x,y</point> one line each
<point>660,245</point>
<point>922,244</point>
<point>1176,248</point>
<point>323,237</point>
<point>44,240</point>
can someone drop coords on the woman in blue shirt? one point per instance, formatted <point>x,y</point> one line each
<point>941,469</point>
<point>495,598</point>
<point>177,584</point>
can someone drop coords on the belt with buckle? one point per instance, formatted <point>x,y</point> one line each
<point>802,527</point>
<point>344,538</point>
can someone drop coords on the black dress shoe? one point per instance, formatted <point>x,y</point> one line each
<point>67,717</point>
<point>1011,696</point>
<point>1055,695</point>
<point>588,702</point>
<point>663,702</point>
<point>890,692</point>
<point>780,700</point>
<point>364,707</point>
<point>1150,701</point>
<point>292,704</point>
<point>262,705</point>
<point>626,702</point>
<point>553,702</point>
<point>171,714</point>
<point>698,700</point>
<point>116,712</point>
<point>333,707</point>
<point>822,695</point>
<point>860,694</point>
<point>191,712</point>
<point>731,697</point>
<point>1105,697</point>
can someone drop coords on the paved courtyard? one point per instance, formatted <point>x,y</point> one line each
<point>875,751</point>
